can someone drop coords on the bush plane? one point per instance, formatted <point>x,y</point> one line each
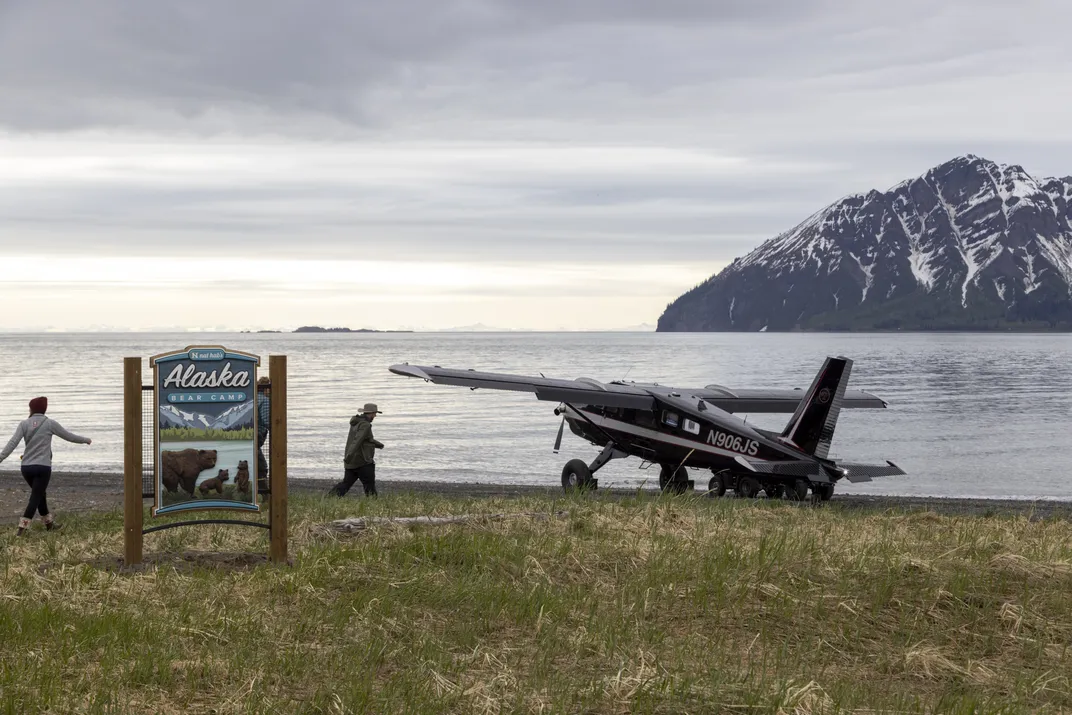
<point>682,429</point>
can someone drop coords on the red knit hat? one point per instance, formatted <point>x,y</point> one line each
<point>38,405</point>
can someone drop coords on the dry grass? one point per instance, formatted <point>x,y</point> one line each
<point>648,605</point>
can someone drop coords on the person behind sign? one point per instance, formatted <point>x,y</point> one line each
<point>264,421</point>
<point>359,458</point>
<point>37,431</point>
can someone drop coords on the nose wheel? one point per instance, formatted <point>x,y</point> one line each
<point>576,476</point>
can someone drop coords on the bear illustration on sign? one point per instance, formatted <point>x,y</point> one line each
<point>182,467</point>
<point>242,476</point>
<point>214,483</point>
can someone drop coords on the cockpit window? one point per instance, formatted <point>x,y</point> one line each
<point>670,419</point>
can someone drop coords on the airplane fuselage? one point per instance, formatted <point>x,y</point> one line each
<point>668,436</point>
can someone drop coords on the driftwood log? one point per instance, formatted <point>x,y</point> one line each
<point>360,523</point>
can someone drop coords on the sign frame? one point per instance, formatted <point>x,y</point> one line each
<point>203,353</point>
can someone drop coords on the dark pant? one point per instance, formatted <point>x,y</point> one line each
<point>367,475</point>
<point>37,477</point>
<point>262,470</point>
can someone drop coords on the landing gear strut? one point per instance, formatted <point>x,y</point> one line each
<point>577,476</point>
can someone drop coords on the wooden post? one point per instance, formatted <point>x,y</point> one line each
<point>132,461</point>
<point>277,459</point>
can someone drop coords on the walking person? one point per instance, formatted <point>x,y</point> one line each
<point>359,458</point>
<point>37,432</point>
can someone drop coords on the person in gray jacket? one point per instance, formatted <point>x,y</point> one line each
<point>37,431</point>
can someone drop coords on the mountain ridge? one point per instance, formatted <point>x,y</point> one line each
<point>969,244</point>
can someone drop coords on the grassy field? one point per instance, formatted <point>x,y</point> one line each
<point>653,604</point>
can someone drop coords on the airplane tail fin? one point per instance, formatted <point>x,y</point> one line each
<point>812,426</point>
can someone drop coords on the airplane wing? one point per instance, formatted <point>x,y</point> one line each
<point>582,391</point>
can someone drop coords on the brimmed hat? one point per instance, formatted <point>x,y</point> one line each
<point>370,407</point>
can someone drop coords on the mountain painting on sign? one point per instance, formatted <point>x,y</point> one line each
<point>969,245</point>
<point>206,431</point>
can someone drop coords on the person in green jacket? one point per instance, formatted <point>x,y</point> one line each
<point>359,459</point>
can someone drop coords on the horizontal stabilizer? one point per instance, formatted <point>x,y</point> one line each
<point>866,472</point>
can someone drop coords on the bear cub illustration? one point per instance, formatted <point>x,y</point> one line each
<point>215,483</point>
<point>242,476</point>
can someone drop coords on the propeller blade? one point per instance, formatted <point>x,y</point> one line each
<point>558,440</point>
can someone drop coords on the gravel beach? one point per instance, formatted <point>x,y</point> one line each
<point>70,492</point>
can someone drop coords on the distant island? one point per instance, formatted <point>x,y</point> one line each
<point>318,329</point>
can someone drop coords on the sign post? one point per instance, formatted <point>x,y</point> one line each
<point>277,469</point>
<point>132,461</point>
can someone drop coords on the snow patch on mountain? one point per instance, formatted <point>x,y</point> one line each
<point>1059,255</point>
<point>868,278</point>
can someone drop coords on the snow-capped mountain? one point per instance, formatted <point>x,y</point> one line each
<point>235,418</point>
<point>171,416</point>
<point>970,244</point>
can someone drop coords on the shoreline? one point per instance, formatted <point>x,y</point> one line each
<point>70,492</point>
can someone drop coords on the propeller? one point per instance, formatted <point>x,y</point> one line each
<point>558,440</point>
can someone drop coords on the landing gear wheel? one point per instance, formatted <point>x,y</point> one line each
<point>825,491</point>
<point>675,484</point>
<point>747,487</point>
<point>717,486</point>
<point>774,491</point>
<point>799,490</point>
<point>576,476</point>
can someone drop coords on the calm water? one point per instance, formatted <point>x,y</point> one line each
<point>969,415</point>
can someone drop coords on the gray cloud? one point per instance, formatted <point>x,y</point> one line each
<point>624,131</point>
<point>91,63</point>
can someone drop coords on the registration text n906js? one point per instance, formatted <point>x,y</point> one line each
<point>732,442</point>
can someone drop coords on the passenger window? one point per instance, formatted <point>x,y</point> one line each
<point>670,419</point>
<point>691,427</point>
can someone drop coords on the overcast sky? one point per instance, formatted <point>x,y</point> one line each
<point>434,163</point>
